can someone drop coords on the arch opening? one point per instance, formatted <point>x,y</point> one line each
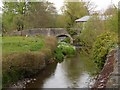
<point>62,37</point>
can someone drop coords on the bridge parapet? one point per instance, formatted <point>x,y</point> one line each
<point>41,31</point>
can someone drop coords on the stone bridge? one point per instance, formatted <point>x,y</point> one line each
<point>57,32</point>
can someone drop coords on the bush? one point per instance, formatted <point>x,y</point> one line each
<point>103,44</point>
<point>71,31</point>
<point>59,56</point>
<point>67,40</point>
<point>64,49</point>
<point>50,42</point>
<point>18,65</point>
<point>91,29</point>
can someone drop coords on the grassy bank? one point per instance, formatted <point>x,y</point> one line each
<point>22,44</point>
<point>25,56</point>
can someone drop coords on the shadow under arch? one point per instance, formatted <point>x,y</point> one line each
<point>65,35</point>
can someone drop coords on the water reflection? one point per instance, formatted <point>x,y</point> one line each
<point>57,80</point>
<point>77,72</point>
<point>74,72</point>
<point>41,78</point>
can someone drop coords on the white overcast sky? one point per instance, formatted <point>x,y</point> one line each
<point>101,4</point>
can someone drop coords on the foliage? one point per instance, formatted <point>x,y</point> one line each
<point>73,11</point>
<point>110,10</point>
<point>12,10</point>
<point>72,31</point>
<point>66,48</point>
<point>95,23</point>
<point>60,23</point>
<point>42,14</point>
<point>23,15</point>
<point>59,56</point>
<point>92,28</point>
<point>17,66</point>
<point>62,50</point>
<point>112,22</point>
<point>19,62</point>
<point>119,26</point>
<point>0,24</point>
<point>50,44</point>
<point>67,40</point>
<point>103,44</point>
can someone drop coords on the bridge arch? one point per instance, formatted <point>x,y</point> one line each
<point>65,35</point>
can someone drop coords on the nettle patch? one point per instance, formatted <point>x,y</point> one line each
<point>103,44</point>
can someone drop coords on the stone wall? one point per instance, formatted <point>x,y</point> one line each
<point>114,79</point>
<point>40,31</point>
<point>109,76</point>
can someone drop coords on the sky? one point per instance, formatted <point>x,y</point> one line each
<point>101,4</point>
<point>0,6</point>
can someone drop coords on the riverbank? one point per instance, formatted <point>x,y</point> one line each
<point>74,72</point>
<point>114,80</point>
<point>103,79</point>
<point>25,56</point>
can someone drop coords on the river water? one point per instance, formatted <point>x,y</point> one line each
<point>74,72</point>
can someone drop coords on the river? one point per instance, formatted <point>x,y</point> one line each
<point>73,72</point>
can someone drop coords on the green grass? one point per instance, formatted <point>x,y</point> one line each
<point>21,44</point>
<point>23,57</point>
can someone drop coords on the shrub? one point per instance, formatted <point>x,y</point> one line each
<point>88,33</point>
<point>67,40</point>
<point>64,49</point>
<point>103,44</point>
<point>71,31</point>
<point>59,56</point>
<point>18,65</point>
<point>50,42</point>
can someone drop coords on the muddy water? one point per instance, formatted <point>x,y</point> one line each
<point>74,72</point>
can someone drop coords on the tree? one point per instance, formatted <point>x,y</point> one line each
<point>92,28</point>
<point>0,24</point>
<point>60,23</point>
<point>112,22</point>
<point>73,11</point>
<point>41,15</point>
<point>12,10</point>
<point>24,15</point>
